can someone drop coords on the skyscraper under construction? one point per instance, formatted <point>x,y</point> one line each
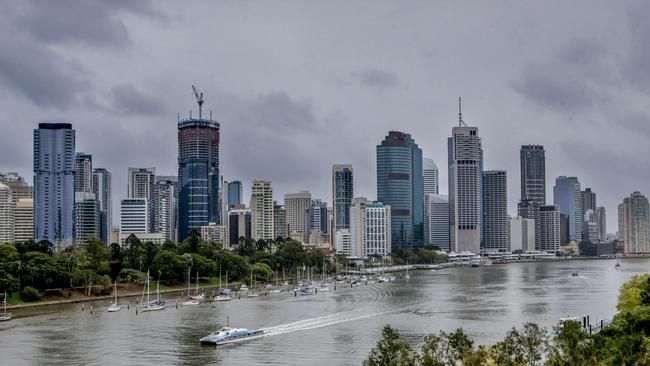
<point>198,172</point>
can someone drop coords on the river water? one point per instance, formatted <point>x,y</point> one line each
<point>335,328</point>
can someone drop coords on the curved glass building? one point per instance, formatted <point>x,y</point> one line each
<point>400,185</point>
<point>198,175</point>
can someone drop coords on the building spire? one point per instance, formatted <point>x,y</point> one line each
<point>460,114</point>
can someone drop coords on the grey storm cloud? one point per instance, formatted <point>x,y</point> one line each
<point>93,23</point>
<point>46,78</point>
<point>128,100</point>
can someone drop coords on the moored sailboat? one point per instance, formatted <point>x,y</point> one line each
<point>5,316</point>
<point>115,307</point>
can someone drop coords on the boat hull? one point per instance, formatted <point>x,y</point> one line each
<point>208,341</point>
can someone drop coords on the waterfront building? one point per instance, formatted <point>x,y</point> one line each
<point>235,193</point>
<point>400,186</point>
<point>54,171</point>
<point>134,216</point>
<point>370,228</point>
<point>164,209</point>
<point>567,195</point>
<point>430,176</point>
<point>19,187</point>
<point>103,190</point>
<point>24,220</point>
<point>280,227</point>
<point>213,233</point>
<point>549,221</point>
<point>261,207</point>
<point>198,174</point>
<point>6,215</point>
<point>521,234</point>
<point>601,218</point>
<point>297,206</point>
<point>115,235</point>
<point>343,242</point>
<point>87,217</point>
<point>529,209</point>
<point>342,193</point>
<point>495,211</point>
<point>239,224</point>
<point>465,159</point>
<point>83,175</point>
<point>634,224</point>
<point>588,198</point>
<point>436,220</point>
<point>590,226</point>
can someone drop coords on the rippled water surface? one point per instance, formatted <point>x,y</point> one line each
<point>335,328</point>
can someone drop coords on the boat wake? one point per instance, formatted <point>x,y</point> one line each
<point>321,322</point>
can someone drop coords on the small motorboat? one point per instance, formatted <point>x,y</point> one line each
<point>191,302</point>
<point>575,274</point>
<point>227,335</point>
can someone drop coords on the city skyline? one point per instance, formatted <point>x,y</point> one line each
<point>414,93</point>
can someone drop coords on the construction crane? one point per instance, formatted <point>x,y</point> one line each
<point>199,100</point>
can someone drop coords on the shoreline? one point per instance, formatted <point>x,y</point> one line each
<point>374,270</point>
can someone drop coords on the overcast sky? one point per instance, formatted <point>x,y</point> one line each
<point>301,85</point>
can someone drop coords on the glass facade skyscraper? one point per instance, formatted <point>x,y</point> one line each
<point>400,185</point>
<point>235,193</point>
<point>567,195</point>
<point>198,175</point>
<point>54,171</point>
<point>102,188</point>
<point>533,173</point>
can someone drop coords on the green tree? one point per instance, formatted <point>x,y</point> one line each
<point>149,251</point>
<point>236,266</point>
<point>524,347</point>
<point>134,252</point>
<point>629,295</point>
<point>41,271</point>
<point>169,265</point>
<point>572,346</point>
<point>446,348</point>
<point>391,350</point>
<point>293,253</point>
<point>262,271</point>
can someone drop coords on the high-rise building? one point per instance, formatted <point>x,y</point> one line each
<point>634,224</point>
<point>134,216</point>
<point>532,159</point>
<point>235,193</point>
<point>87,217</point>
<point>601,217</point>
<point>24,220</point>
<point>317,218</point>
<point>400,186</point>
<point>495,210</point>
<point>522,234</point>
<point>297,206</point>
<point>261,207</point>
<point>465,158</point>
<point>590,226</point>
<point>83,175</point>
<point>567,195</point>
<point>141,185</point>
<point>239,224</point>
<point>54,169</point>
<point>164,209</point>
<point>533,173</point>
<point>19,187</point>
<point>436,220</point>
<point>370,228</point>
<point>280,227</point>
<point>6,215</point>
<point>430,176</point>
<point>588,198</point>
<point>549,220</point>
<point>103,190</point>
<point>198,174</point>
<point>342,193</point>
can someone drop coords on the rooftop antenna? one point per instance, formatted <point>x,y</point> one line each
<point>199,100</point>
<point>461,123</point>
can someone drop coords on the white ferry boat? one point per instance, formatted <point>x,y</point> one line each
<point>227,335</point>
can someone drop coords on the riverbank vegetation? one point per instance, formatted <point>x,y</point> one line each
<point>625,341</point>
<point>35,269</point>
